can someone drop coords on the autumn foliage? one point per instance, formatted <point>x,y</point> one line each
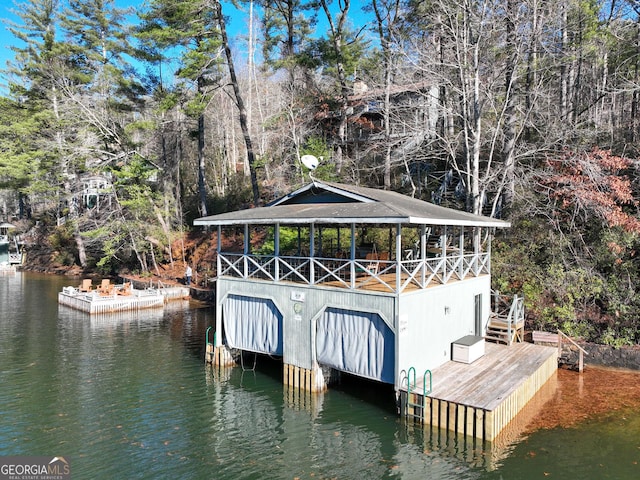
<point>593,184</point>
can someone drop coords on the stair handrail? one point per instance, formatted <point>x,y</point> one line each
<point>409,403</point>
<point>510,317</point>
<point>206,337</point>
<point>582,350</point>
<point>572,341</point>
<point>409,379</point>
<point>516,313</point>
<point>424,383</point>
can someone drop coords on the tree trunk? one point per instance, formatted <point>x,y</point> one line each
<point>386,55</point>
<point>82,254</point>
<point>240,104</point>
<point>508,147</point>
<point>337,32</point>
<point>202,186</point>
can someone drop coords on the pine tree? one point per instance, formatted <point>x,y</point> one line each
<point>188,28</point>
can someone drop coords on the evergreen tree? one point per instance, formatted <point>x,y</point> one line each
<point>190,29</point>
<point>340,51</point>
<point>106,88</point>
<point>35,82</point>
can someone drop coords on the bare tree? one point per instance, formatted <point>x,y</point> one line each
<point>244,125</point>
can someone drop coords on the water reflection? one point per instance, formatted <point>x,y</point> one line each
<point>129,396</point>
<point>327,435</point>
<point>109,321</point>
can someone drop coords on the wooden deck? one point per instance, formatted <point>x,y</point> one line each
<point>490,379</point>
<point>357,274</point>
<point>482,398</point>
<point>385,283</point>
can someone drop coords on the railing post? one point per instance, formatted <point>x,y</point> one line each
<point>312,247</point>
<point>443,241</point>
<point>581,361</point>
<point>247,242</point>
<point>398,257</point>
<point>581,351</point>
<point>559,343</point>
<point>423,256</point>
<point>276,252</point>
<point>510,318</point>
<point>352,257</point>
<point>461,255</point>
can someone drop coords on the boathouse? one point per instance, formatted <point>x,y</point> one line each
<point>376,284</point>
<point>361,280</point>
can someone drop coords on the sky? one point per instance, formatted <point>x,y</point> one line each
<point>238,25</point>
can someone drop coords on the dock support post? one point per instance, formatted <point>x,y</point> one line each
<point>222,356</point>
<point>309,380</point>
<point>209,354</point>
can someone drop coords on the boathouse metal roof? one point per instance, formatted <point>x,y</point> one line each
<point>330,203</point>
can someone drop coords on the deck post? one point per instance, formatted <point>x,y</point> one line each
<point>312,248</point>
<point>352,257</point>
<point>246,250</point>
<point>461,254</point>
<point>580,361</point>
<point>223,357</point>
<point>276,251</point>
<point>423,255</point>
<point>398,256</point>
<point>443,247</point>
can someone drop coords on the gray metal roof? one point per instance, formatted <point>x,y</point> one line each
<point>346,204</point>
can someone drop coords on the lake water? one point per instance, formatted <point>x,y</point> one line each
<point>130,397</point>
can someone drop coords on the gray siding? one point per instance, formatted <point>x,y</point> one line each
<point>302,305</point>
<point>430,320</point>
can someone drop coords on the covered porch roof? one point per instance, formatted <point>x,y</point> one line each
<point>331,203</point>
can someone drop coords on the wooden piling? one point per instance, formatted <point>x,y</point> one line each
<point>308,380</point>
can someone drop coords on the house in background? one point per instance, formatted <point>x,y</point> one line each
<point>8,257</point>
<point>341,278</point>
<point>413,116</point>
<point>96,190</point>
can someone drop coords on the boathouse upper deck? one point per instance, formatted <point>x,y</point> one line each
<point>342,236</point>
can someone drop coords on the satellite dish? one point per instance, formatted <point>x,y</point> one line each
<point>309,161</point>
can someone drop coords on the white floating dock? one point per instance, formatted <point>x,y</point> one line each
<point>7,269</point>
<point>116,301</point>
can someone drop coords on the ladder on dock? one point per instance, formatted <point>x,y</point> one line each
<point>415,401</point>
<point>506,323</point>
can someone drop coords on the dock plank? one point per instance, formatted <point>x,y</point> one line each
<point>490,379</point>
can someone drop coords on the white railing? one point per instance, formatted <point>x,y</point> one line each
<point>381,275</point>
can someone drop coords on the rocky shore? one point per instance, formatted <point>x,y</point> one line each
<point>627,357</point>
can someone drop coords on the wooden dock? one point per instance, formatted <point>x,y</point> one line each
<point>7,269</point>
<point>482,398</point>
<point>94,302</point>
